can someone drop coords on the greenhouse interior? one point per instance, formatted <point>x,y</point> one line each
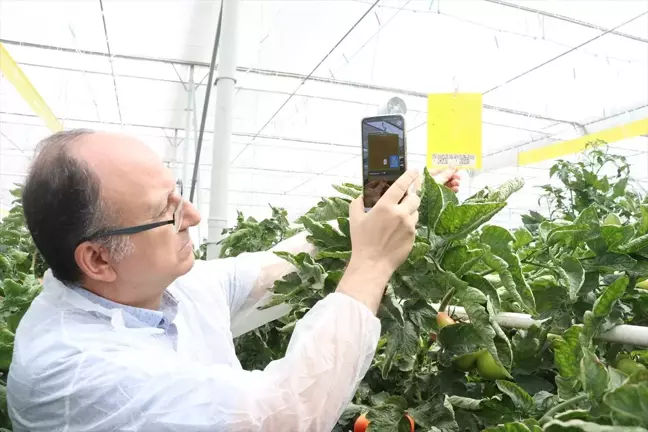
<point>521,302</point>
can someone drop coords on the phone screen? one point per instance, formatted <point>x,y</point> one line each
<point>383,155</point>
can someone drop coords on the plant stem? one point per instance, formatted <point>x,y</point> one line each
<point>446,300</point>
<point>536,264</point>
<point>560,407</point>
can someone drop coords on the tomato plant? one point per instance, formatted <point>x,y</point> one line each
<point>575,271</point>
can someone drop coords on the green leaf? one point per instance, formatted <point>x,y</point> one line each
<point>616,236</point>
<point>482,284</point>
<point>635,245</point>
<point>521,399</point>
<point>327,209</point>
<point>390,305</point>
<point>612,219</point>
<point>594,375</point>
<point>510,427</point>
<point>457,221</point>
<point>567,352</point>
<point>324,235</point>
<point>575,275</point>
<point>341,255</point>
<point>401,340</point>
<point>351,191</point>
<point>432,201</point>
<point>603,305</point>
<point>611,261</point>
<point>435,416</point>
<point>643,225</point>
<point>504,191</point>
<point>420,313</point>
<point>619,188</point>
<point>630,403</point>
<point>511,283</point>
<point>567,234</point>
<point>471,295</point>
<point>460,259</point>
<point>389,416</point>
<point>466,403</point>
<point>522,237</point>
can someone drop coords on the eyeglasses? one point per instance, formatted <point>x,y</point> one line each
<point>178,215</point>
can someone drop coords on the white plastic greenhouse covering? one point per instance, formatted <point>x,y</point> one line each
<point>548,70</point>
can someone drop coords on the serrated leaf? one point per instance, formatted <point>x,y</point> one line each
<point>348,190</point>
<point>522,237</point>
<point>594,375</point>
<point>327,209</point>
<point>567,352</point>
<point>324,235</point>
<point>634,245</point>
<point>619,188</point>
<point>505,190</point>
<point>630,403</point>
<point>616,236</point>
<point>420,313</point>
<point>466,403</point>
<point>432,202</point>
<point>482,284</point>
<point>575,274</point>
<point>341,255</point>
<point>471,295</point>
<point>390,304</point>
<point>611,294</point>
<point>460,259</point>
<point>402,340</point>
<point>457,221</point>
<point>435,416</point>
<point>521,399</point>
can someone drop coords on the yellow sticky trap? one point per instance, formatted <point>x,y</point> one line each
<point>454,130</point>
<point>17,77</point>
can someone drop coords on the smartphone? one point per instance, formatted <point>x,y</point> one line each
<point>384,155</point>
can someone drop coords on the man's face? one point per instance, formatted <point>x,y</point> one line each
<point>142,190</point>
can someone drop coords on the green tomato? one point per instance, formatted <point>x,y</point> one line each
<point>466,362</point>
<point>643,284</point>
<point>629,366</point>
<point>489,369</point>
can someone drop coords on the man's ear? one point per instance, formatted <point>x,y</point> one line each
<point>94,262</point>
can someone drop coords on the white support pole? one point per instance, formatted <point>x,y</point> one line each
<point>186,145</point>
<point>225,83</point>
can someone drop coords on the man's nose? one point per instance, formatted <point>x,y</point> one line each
<point>191,215</point>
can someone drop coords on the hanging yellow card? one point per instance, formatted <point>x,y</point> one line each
<point>454,130</point>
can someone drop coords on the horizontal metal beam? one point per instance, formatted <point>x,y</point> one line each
<point>281,74</point>
<point>519,6</point>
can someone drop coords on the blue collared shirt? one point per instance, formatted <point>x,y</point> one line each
<point>135,317</point>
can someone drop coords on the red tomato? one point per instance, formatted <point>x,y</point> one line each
<point>361,424</point>
<point>444,320</point>
<point>411,420</point>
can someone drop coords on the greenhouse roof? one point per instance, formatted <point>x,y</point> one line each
<point>308,71</point>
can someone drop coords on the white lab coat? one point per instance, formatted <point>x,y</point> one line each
<point>77,368</point>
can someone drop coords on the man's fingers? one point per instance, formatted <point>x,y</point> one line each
<point>411,203</point>
<point>400,187</point>
<point>445,176</point>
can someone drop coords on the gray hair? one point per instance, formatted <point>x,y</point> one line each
<point>63,204</point>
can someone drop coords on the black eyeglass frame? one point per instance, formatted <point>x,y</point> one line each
<point>146,227</point>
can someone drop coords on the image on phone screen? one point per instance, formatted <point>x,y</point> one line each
<point>383,155</point>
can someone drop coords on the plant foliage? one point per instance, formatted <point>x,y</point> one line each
<point>578,272</point>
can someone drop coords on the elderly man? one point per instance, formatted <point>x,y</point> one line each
<point>129,334</point>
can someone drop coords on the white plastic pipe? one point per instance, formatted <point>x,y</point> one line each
<point>223,126</point>
<point>626,334</point>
